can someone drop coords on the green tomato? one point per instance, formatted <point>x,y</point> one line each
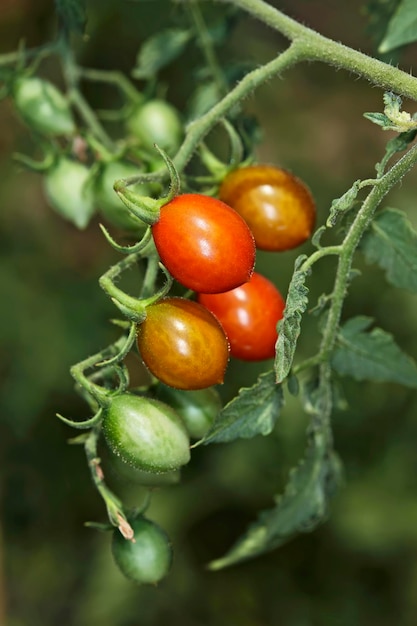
<point>158,122</point>
<point>43,107</point>
<point>146,560</point>
<point>116,468</point>
<point>69,192</point>
<point>198,409</point>
<point>108,202</point>
<point>146,433</point>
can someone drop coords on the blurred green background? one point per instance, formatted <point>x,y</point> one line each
<point>360,568</point>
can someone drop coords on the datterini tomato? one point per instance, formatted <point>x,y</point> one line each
<point>108,202</point>
<point>146,433</point>
<point>148,558</point>
<point>183,344</point>
<point>156,122</point>
<point>277,206</point>
<point>198,409</point>
<point>43,107</point>
<point>204,244</point>
<point>249,315</point>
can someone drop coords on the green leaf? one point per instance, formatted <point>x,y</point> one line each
<point>253,411</point>
<point>159,50</point>
<point>205,96</point>
<point>290,326</point>
<point>302,507</point>
<point>402,28</point>
<point>391,243</point>
<point>72,13</point>
<point>372,355</point>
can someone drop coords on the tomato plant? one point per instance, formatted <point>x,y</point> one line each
<point>198,409</point>
<point>183,344</point>
<point>277,206</point>
<point>204,243</point>
<point>146,433</point>
<point>147,558</point>
<point>43,107</point>
<point>249,315</point>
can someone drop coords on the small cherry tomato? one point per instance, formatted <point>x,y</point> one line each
<point>69,192</point>
<point>204,244</point>
<point>278,207</point>
<point>43,107</point>
<point>249,315</point>
<point>108,202</point>
<point>198,409</point>
<point>156,121</point>
<point>146,433</point>
<point>183,344</point>
<point>148,558</point>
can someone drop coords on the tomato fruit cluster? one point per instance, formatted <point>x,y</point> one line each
<point>249,315</point>
<point>204,243</point>
<point>148,558</point>
<point>183,344</point>
<point>277,206</point>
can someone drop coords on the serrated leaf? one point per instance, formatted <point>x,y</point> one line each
<point>72,14</point>
<point>252,412</point>
<point>372,355</point>
<point>391,243</point>
<point>290,326</point>
<point>402,28</point>
<point>302,507</point>
<point>343,204</point>
<point>160,50</point>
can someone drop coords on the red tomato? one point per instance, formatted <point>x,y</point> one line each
<point>277,206</point>
<point>204,244</point>
<point>249,315</point>
<point>183,344</point>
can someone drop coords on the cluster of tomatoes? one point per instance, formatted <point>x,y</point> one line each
<point>208,245</point>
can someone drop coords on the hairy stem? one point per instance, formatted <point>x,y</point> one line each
<point>316,47</point>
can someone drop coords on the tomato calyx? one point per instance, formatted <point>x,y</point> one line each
<point>133,308</point>
<point>147,208</point>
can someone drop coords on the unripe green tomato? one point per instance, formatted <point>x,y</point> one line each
<point>69,192</point>
<point>43,107</point>
<point>146,560</point>
<point>115,467</point>
<point>108,202</point>
<point>158,122</point>
<point>146,433</point>
<point>198,409</point>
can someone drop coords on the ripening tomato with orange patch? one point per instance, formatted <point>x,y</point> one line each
<point>277,206</point>
<point>183,344</point>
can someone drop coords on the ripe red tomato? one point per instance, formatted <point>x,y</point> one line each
<point>204,244</point>
<point>183,344</point>
<point>249,315</point>
<point>278,207</point>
